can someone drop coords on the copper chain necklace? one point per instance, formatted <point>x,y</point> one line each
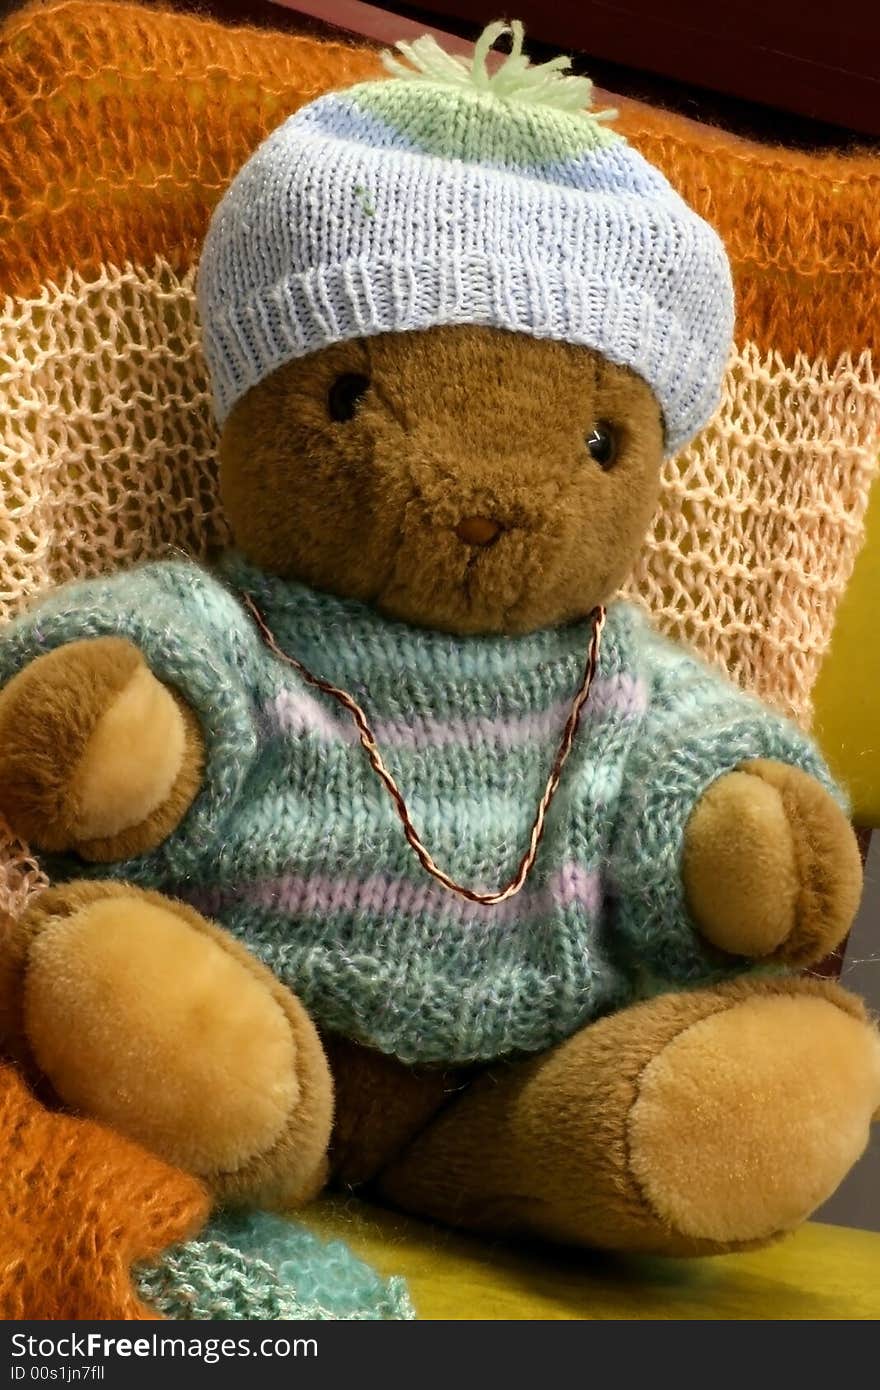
<point>370,747</point>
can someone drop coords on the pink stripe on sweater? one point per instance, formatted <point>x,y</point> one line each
<point>381,895</point>
<point>298,712</point>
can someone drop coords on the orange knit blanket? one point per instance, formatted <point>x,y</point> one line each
<point>78,1205</point>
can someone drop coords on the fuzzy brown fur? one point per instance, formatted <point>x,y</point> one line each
<point>725,1138</point>
<point>829,866</point>
<point>469,425</point>
<point>613,1138</point>
<point>381,1105</point>
<point>90,716</point>
<point>48,713</point>
<point>146,834</point>
<point>144,1015</point>
<point>771,866</point>
<point>457,422</point>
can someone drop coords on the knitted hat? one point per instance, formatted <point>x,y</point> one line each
<point>455,195</point>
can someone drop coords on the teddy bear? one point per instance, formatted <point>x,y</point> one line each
<point>390,848</point>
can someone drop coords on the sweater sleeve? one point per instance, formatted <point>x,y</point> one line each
<point>698,726</point>
<point>195,637</point>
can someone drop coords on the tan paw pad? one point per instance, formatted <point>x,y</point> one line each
<point>151,1026</point>
<point>749,1119</point>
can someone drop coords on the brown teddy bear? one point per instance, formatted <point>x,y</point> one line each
<point>513,853</point>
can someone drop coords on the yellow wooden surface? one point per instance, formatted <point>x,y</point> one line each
<point>848,690</point>
<point>820,1272</point>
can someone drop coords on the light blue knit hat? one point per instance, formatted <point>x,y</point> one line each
<point>452,194</point>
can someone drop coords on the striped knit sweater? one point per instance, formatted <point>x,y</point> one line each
<point>294,847</point>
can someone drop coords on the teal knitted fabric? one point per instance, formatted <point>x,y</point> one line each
<point>254,1266</point>
<point>293,845</point>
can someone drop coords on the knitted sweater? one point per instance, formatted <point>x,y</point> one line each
<point>295,848</point>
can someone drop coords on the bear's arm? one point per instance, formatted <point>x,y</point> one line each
<point>698,727</point>
<point>113,688</point>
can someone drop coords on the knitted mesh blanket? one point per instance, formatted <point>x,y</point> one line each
<point>92,1227</point>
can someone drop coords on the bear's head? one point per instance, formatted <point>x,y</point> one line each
<point>463,478</point>
<point>454,323</point>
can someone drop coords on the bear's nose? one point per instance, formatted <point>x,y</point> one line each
<point>478,530</point>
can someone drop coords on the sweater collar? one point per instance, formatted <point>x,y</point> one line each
<point>351,644</point>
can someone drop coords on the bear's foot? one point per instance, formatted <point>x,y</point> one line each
<point>143,1015</point>
<point>688,1124</point>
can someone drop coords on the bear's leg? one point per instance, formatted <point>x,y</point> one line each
<point>142,1014</point>
<point>688,1124</point>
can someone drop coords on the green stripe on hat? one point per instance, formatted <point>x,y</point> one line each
<point>520,115</point>
<point>479,127</point>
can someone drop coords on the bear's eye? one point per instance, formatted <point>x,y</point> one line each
<point>344,395</point>
<point>602,444</point>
